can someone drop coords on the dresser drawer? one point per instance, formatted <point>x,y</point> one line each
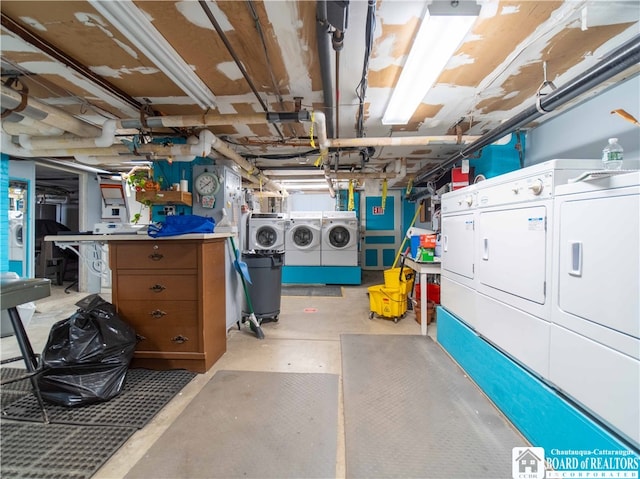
<point>158,287</point>
<point>163,325</point>
<point>156,255</point>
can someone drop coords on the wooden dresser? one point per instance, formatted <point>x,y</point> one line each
<point>172,291</point>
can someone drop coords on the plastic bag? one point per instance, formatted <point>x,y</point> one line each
<point>182,224</point>
<point>87,356</point>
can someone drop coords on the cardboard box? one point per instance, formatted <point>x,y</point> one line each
<point>426,255</point>
<point>428,241</point>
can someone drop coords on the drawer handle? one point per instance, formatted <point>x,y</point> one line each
<point>179,339</point>
<point>157,288</point>
<point>140,338</point>
<point>156,256</point>
<point>157,313</point>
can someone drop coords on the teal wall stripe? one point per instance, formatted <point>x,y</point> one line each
<point>544,417</point>
<point>379,239</point>
<point>321,275</point>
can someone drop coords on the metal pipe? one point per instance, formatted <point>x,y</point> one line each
<point>324,54</point>
<point>397,141</point>
<point>623,57</point>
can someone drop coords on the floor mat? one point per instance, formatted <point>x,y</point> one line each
<point>251,425</point>
<point>410,412</point>
<point>145,392</point>
<point>312,290</point>
<point>57,451</point>
<point>64,450</point>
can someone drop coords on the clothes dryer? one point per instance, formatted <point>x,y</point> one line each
<point>458,279</point>
<point>339,238</point>
<point>595,331</point>
<point>513,258</point>
<point>267,231</point>
<point>303,239</point>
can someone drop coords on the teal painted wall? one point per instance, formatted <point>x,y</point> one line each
<point>4,211</point>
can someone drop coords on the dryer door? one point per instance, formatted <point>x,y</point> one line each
<point>339,237</point>
<point>304,237</point>
<point>266,237</point>
<point>512,252</point>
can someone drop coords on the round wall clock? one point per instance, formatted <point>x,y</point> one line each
<point>206,183</point>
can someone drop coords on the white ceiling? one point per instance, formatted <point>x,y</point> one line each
<point>82,65</point>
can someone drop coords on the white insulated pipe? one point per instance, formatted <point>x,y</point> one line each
<point>222,148</point>
<point>47,114</point>
<point>30,126</point>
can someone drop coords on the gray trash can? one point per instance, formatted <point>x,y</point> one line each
<point>265,290</point>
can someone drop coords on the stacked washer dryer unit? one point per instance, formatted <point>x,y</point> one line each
<point>511,271</point>
<point>267,231</point>
<point>595,330</point>
<point>303,239</point>
<point>513,258</point>
<point>339,238</point>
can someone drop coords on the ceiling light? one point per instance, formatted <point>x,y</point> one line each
<point>441,32</point>
<point>136,27</point>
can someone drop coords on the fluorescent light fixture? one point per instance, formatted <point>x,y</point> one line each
<point>135,25</point>
<point>439,36</point>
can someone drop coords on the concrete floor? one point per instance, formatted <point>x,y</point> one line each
<point>306,339</point>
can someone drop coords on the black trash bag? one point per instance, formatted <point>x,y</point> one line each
<point>87,355</point>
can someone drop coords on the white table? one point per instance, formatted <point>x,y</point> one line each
<point>423,269</point>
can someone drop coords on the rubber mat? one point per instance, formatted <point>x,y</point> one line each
<point>145,392</point>
<point>301,290</point>
<point>80,439</point>
<point>251,425</point>
<point>56,451</point>
<point>13,391</point>
<point>411,412</point>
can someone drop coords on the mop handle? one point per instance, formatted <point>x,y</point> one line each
<point>413,221</point>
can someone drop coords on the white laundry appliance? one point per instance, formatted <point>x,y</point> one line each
<point>303,239</point>
<point>339,238</point>
<point>595,331</point>
<point>457,279</point>
<point>513,258</point>
<point>16,236</point>
<point>267,231</point>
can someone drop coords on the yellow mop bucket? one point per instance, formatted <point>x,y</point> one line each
<point>399,278</point>
<point>387,302</point>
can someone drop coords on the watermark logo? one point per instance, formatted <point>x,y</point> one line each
<point>527,463</point>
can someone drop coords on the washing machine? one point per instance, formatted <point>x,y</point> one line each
<point>303,239</point>
<point>16,236</point>
<point>595,330</point>
<point>267,231</point>
<point>513,258</point>
<point>339,238</point>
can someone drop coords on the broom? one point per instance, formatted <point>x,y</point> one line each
<point>242,269</point>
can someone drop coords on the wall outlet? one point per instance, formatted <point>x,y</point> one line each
<point>169,210</point>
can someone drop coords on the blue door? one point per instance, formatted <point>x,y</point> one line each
<point>382,232</point>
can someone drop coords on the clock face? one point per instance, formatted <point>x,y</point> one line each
<point>207,184</point>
